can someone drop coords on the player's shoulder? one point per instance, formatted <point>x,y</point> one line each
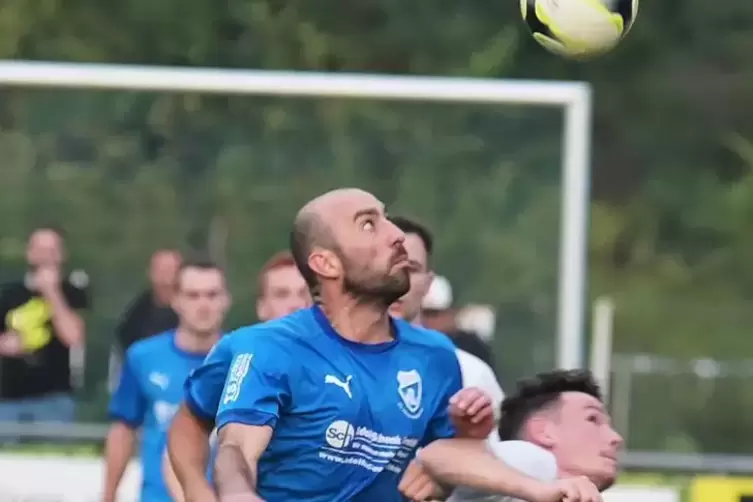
<point>153,346</point>
<point>474,365</point>
<point>425,338</point>
<point>285,331</point>
<point>464,355</point>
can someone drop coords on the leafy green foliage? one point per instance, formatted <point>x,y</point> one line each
<point>125,172</point>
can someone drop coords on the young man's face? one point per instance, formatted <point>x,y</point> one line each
<point>201,300</point>
<point>580,435</point>
<point>285,291</point>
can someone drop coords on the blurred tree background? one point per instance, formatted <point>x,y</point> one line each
<point>124,173</point>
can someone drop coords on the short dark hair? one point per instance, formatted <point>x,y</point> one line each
<point>200,263</point>
<point>540,392</point>
<point>410,226</point>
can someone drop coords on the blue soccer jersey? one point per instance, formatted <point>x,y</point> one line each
<point>148,396</point>
<point>347,417</point>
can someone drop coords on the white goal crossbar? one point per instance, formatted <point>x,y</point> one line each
<point>574,97</point>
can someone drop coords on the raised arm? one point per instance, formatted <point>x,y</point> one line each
<point>235,468</point>
<point>69,325</point>
<point>467,463</point>
<point>515,468</point>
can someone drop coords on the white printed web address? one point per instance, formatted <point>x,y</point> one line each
<point>366,448</point>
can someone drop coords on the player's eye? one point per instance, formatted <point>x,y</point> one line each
<point>368,224</point>
<point>595,419</point>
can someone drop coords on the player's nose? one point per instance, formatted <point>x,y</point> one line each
<point>615,439</point>
<point>395,235</point>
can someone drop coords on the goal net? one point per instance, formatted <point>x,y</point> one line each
<point>128,159</point>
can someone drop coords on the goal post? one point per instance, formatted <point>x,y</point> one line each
<point>573,97</point>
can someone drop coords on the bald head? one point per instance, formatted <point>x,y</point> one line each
<point>342,242</point>
<point>312,227</point>
<point>163,270</point>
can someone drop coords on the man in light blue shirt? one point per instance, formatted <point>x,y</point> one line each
<point>153,375</point>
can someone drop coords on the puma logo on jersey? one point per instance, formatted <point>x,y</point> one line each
<point>160,380</point>
<point>345,386</point>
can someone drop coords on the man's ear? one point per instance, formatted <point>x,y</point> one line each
<point>325,264</point>
<point>261,310</point>
<point>426,283</point>
<point>539,430</point>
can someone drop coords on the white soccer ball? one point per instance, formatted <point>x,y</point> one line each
<point>579,28</point>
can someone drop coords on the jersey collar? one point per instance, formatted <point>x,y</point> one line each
<point>330,331</point>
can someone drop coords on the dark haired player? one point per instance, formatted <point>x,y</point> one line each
<point>554,427</point>
<point>153,374</point>
<point>330,403</point>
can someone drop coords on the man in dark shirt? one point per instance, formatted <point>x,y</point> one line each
<point>39,324</point>
<point>150,313</point>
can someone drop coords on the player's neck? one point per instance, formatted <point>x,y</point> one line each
<point>417,321</point>
<point>566,473</point>
<point>188,340</point>
<point>359,322</point>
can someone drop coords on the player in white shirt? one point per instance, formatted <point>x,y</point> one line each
<point>554,429</point>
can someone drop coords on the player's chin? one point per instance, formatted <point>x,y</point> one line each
<point>607,473</point>
<point>206,328</point>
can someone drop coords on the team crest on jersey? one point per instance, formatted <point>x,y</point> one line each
<point>409,388</point>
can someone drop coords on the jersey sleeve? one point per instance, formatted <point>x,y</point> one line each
<point>527,458</point>
<point>203,387</point>
<point>128,403</point>
<point>440,425</point>
<point>257,388</point>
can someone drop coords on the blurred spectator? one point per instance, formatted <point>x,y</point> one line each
<point>281,288</point>
<point>39,324</point>
<point>438,314</point>
<point>154,372</point>
<point>477,319</point>
<point>151,312</point>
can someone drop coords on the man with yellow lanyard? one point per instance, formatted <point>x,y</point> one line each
<point>39,324</point>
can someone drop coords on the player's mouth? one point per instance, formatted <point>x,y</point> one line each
<point>400,259</point>
<point>611,458</point>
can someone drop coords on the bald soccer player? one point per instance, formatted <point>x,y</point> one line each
<point>281,291</point>
<point>320,378</point>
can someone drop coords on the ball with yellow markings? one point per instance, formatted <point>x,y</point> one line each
<point>579,29</point>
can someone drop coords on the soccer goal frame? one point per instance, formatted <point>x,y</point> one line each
<point>573,97</point>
